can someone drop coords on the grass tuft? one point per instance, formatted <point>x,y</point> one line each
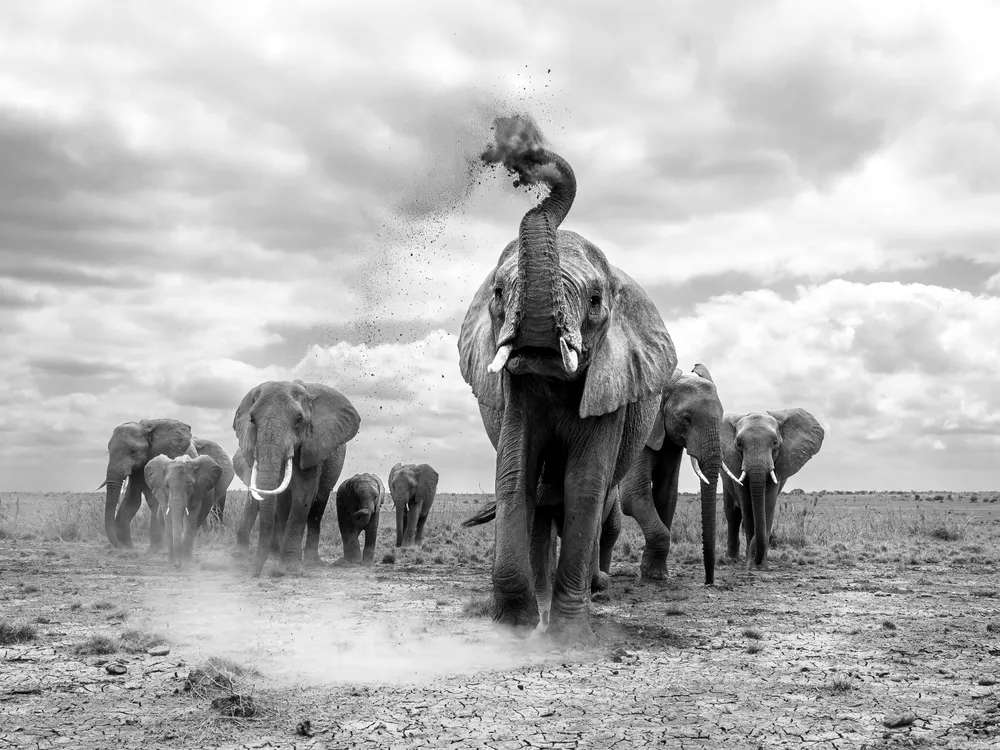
<point>20,632</point>
<point>98,645</point>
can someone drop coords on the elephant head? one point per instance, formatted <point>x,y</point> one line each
<point>766,448</point>
<point>368,495</point>
<point>280,423</point>
<point>553,306</point>
<point>131,447</point>
<point>690,417</point>
<point>182,486</point>
<point>412,488</point>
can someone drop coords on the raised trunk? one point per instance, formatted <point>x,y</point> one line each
<point>114,488</point>
<point>542,305</point>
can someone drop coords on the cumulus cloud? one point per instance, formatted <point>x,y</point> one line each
<point>187,209</point>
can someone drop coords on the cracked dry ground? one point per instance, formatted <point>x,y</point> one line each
<point>384,657</point>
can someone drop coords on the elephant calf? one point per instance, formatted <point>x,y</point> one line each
<point>185,490</point>
<point>359,502</point>
<point>766,448</point>
<point>412,487</point>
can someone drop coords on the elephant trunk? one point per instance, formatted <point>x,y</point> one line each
<point>410,533</point>
<point>758,468</point>
<point>400,523</point>
<point>176,507</point>
<point>362,517</point>
<point>710,464</point>
<point>270,463</point>
<point>113,485</point>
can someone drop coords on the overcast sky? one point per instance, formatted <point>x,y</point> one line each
<point>196,197</point>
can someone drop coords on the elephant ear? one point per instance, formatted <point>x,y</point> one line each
<point>702,372</point>
<point>492,421</point>
<point>801,438</point>
<point>241,467</point>
<point>636,357</point>
<point>155,474</point>
<point>658,433</point>
<point>246,433</point>
<point>168,437</point>
<point>427,479</point>
<point>727,436</point>
<point>477,346</point>
<point>381,492</point>
<point>333,421</point>
<point>206,475</point>
<point>393,471</point>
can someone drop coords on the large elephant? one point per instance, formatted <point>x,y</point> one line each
<point>570,355</point>
<point>412,487</point>
<point>359,506</point>
<point>186,490</point>
<point>766,448</point>
<point>690,417</point>
<point>293,435</point>
<point>130,448</point>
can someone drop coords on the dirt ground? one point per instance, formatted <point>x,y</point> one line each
<point>823,650</point>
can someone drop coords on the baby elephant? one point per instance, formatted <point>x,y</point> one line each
<point>359,500</point>
<point>412,487</point>
<point>185,489</point>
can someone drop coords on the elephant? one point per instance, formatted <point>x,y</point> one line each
<point>412,487</point>
<point>186,488</point>
<point>359,503</point>
<point>766,448</point>
<point>690,418</point>
<point>210,448</point>
<point>567,355</point>
<point>294,437</point>
<point>130,448</point>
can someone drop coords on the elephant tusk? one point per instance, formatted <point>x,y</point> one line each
<point>774,477</point>
<point>166,512</point>
<point>187,511</point>
<point>284,482</point>
<point>731,476</point>
<point>697,470</point>
<point>570,358</point>
<point>503,354</point>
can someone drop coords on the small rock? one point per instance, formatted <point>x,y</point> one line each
<point>304,729</point>
<point>116,668</point>
<point>899,719</point>
<point>133,685</point>
<point>159,650</point>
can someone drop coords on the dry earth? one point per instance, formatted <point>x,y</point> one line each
<point>876,606</point>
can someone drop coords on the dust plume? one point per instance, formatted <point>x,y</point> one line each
<point>520,147</point>
<point>315,629</point>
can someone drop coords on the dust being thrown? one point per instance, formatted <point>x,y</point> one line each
<point>319,630</point>
<point>520,147</point>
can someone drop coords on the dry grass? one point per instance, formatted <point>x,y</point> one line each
<point>228,685</point>
<point>16,632</point>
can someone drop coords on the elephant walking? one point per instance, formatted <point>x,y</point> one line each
<point>186,490</point>
<point>293,437</point>
<point>359,503</point>
<point>766,448</point>
<point>569,356</point>
<point>412,487</point>
<point>690,418</point>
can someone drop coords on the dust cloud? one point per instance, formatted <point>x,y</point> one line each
<point>319,630</point>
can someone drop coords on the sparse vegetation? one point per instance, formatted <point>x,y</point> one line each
<point>16,632</point>
<point>98,645</point>
<point>229,685</point>
<point>752,634</point>
<point>841,683</point>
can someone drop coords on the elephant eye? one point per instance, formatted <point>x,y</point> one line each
<point>595,300</point>
<point>498,293</point>
<point>299,420</point>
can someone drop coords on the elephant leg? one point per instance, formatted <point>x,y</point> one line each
<point>250,509</point>
<point>588,480</point>
<point>218,508</point>
<point>129,507</point>
<point>352,548</point>
<point>611,529</point>
<point>420,529</point>
<point>328,476</point>
<point>303,495</point>
<point>282,507</point>
<point>371,537</point>
<point>190,529</point>
<point>638,502</point>
<point>734,517</point>
<point>543,545</point>
<point>156,522</point>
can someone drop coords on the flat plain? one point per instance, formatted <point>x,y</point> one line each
<point>879,609</point>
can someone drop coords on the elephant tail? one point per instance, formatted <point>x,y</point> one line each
<point>486,515</point>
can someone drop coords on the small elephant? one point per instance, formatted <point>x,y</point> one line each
<point>210,448</point>
<point>185,489</point>
<point>293,435</point>
<point>412,487</point>
<point>690,418</point>
<point>359,502</point>
<point>766,448</point>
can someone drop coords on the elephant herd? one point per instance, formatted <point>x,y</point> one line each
<point>579,392</point>
<point>292,445</point>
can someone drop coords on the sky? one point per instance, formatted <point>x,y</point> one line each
<point>197,197</point>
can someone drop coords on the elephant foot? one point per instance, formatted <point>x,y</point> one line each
<point>519,617</point>
<point>240,553</point>
<point>154,549</point>
<point>653,567</point>
<point>752,566</point>
<point>343,562</point>
<point>312,561</point>
<point>601,581</point>
<point>571,631</point>
<point>367,561</point>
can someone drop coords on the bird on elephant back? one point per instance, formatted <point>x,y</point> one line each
<point>567,357</point>
<point>131,447</point>
<point>293,437</point>
<point>689,417</point>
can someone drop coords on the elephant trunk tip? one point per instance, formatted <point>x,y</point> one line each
<point>520,147</point>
